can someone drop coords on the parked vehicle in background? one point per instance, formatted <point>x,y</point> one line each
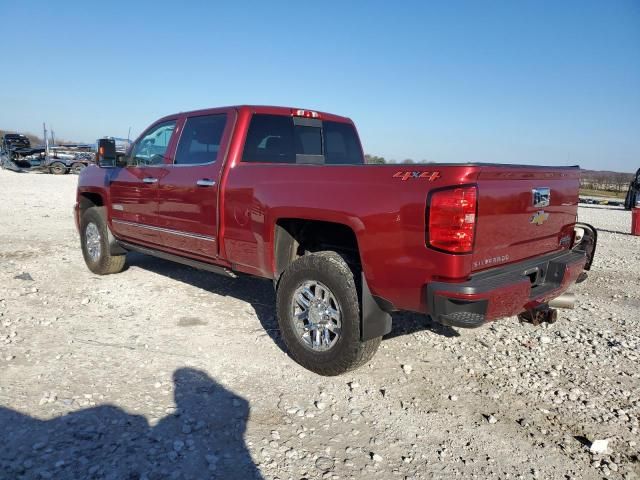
<point>16,146</point>
<point>63,164</point>
<point>284,194</point>
<point>68,158</point>
<point>633,194</point>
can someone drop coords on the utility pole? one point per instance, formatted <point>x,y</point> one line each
<point>53,138</point>
<point>129,136</point>
<point>46,140</point>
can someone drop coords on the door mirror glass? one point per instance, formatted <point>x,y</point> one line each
<point>106,156</point>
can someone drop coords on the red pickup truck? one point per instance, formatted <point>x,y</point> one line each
<point>284,194</point>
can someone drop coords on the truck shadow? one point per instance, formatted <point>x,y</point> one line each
<point>261,295</point>
<point>619,232</point>
<point>203,438</point>
<point>406,323</point>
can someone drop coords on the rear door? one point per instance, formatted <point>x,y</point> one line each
<point>188,193</point>
<point>523,212</point>
<point>134,188</point>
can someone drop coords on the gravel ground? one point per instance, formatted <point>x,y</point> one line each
<point>163,371</point>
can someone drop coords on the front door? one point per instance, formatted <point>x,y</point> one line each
<point>188,193</point>
<point>134,188</point>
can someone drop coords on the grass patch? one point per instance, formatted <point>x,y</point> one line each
<point>602,193</point>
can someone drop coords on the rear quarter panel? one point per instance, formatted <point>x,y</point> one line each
<point>386,213</point>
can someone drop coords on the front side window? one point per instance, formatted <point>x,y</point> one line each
<point>200,140</point>
<point>152,148</point>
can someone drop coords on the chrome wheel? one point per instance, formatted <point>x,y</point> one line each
<point>317,316</point>
<point>92,241</point>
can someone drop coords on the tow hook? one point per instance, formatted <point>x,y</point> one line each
<point>542,314</point>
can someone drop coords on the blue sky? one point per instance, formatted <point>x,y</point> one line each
<point>454,81</point>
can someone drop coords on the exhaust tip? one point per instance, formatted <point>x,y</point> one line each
<point>566,300</point>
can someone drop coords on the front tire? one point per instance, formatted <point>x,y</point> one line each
<point>319,315</point>
<point>94,239</point>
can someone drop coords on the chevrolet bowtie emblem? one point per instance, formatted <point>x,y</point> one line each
<point>539,217</point>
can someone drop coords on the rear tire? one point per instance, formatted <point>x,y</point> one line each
<point>323,271</point>
<point>94,238</point>
<point>58,168</point>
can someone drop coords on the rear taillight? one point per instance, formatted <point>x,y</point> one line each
<point>452,219</point>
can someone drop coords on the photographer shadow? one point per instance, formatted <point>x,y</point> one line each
<point>202,438</point>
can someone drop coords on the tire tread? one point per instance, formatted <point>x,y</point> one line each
<point>355,352</point>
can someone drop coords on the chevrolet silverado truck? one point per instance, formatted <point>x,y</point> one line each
<point>284,194</point>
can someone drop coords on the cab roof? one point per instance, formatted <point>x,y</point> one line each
<point>265,109</point>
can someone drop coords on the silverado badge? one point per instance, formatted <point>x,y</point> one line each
<point>539,217</point>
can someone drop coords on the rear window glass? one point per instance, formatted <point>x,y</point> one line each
<point>341,144</point>
<point>275,139</point>
<point>200,140</point>
<point>308,140</point>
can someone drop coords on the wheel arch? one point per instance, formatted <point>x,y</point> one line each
<point>295,237</point>
<point>90,199</point>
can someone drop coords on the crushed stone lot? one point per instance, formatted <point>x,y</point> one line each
<point>164,371</point>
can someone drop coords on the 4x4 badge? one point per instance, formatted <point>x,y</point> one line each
<point>539,217</point>
<point>430,176</point>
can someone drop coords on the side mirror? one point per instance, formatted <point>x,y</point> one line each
<point>106,155</point>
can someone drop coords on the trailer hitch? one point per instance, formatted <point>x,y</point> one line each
<point>541,314</point>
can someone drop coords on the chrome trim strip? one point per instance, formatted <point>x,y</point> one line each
<point>166,230</point>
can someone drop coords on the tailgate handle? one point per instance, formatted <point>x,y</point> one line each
<point>541,196</point>
<point>205,182</point>
<point>149,180</point>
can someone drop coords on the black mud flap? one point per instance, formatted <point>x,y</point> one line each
<point>375,321</point>
<point>588,243</point>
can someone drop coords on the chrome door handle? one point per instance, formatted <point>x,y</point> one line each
<point>205,182</point>
<point>149,180</point>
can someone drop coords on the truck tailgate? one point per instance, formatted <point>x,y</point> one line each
<point>514,221</point>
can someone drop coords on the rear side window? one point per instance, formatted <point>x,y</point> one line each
<point>281,139</point>
<point>200,140</point>
<point>270,139</point>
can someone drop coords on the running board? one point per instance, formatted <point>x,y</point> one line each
<point>178,259</point>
